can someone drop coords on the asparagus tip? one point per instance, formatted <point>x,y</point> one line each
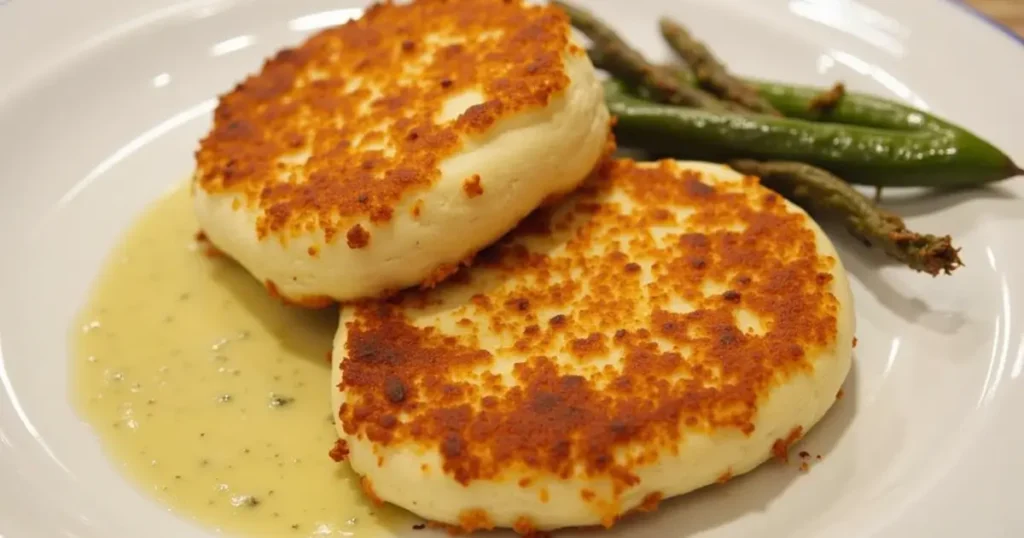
<point>816,188</point>
<point>935,255</point>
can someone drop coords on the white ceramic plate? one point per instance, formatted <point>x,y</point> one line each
<point>102,103</point>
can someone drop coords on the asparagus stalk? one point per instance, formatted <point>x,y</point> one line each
<point>711,73</point>
<point>818,190</point>
<point>626,63</point>
<point>599,57</point>
<point>811,187</point>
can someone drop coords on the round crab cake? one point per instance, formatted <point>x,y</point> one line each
<point>382,153</point>
<point>667,326</point>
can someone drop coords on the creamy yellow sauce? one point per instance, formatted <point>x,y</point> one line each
<point>211,395</point>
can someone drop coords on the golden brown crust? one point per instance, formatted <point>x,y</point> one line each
<point>357,237</point>
<point>339,452</point>
<point>525,527</point>
<point>680,370</point>
<point>650,502</point>
<point>367,486</point>
<point>374,137</point>
<point>780,449</point>
<point>471,186</point>
<point>442,272</point>
<point>206,246</point>
<point>475,519</point>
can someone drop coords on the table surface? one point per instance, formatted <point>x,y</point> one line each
<point>1008,12</point>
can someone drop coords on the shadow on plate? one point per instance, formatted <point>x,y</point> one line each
<point>864,263</point>
<point>910,203</point>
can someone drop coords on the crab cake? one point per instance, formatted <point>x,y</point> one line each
<point>382,153</point>
<point>667,326</point>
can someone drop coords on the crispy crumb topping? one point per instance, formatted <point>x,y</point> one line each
<point>354,120</point>
<point>339,452</point>
<point>781,446</point>
<point>472,187</point>
<point>650,304</point>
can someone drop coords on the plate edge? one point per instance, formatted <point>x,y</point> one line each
<point>966,7</point>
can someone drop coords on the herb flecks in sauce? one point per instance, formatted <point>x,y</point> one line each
<point>277,400</point>
<point>179,361</point>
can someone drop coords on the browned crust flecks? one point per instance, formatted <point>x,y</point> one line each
<point>524,527</point>
<point>650,502</point>
<point>675,371</point>
<point>444,271</point>
<point>367,486</point>
<point>475,519</point>
<point>339,452</point>
<point>357,237</point>
<point>472,187</point>
<point>439,274</point>
<point>780,449</point>
<point>337,99</point>
<point>203,242</point>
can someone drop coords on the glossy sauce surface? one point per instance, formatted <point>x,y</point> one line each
<point>212,396</point>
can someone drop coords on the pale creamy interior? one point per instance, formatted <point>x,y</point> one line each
<point>212,396</point>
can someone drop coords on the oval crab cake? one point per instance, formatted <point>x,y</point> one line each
<point>382,153</point>
<point>668,326</point>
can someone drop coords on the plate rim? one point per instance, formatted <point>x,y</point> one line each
<point>41,77</point>
<point>163,10</point>
<point>999,26</point>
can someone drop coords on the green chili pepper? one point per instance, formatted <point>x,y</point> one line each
<point>913,150</point>
<point>795,101</point>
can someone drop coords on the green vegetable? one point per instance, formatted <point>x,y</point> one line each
<point>709,72</point>
<point>700,111</point>
<point>817,190</point>
<point>796,101</point>
<point>623,61</point>
<point>852,109</point>
<point>937,154</point>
